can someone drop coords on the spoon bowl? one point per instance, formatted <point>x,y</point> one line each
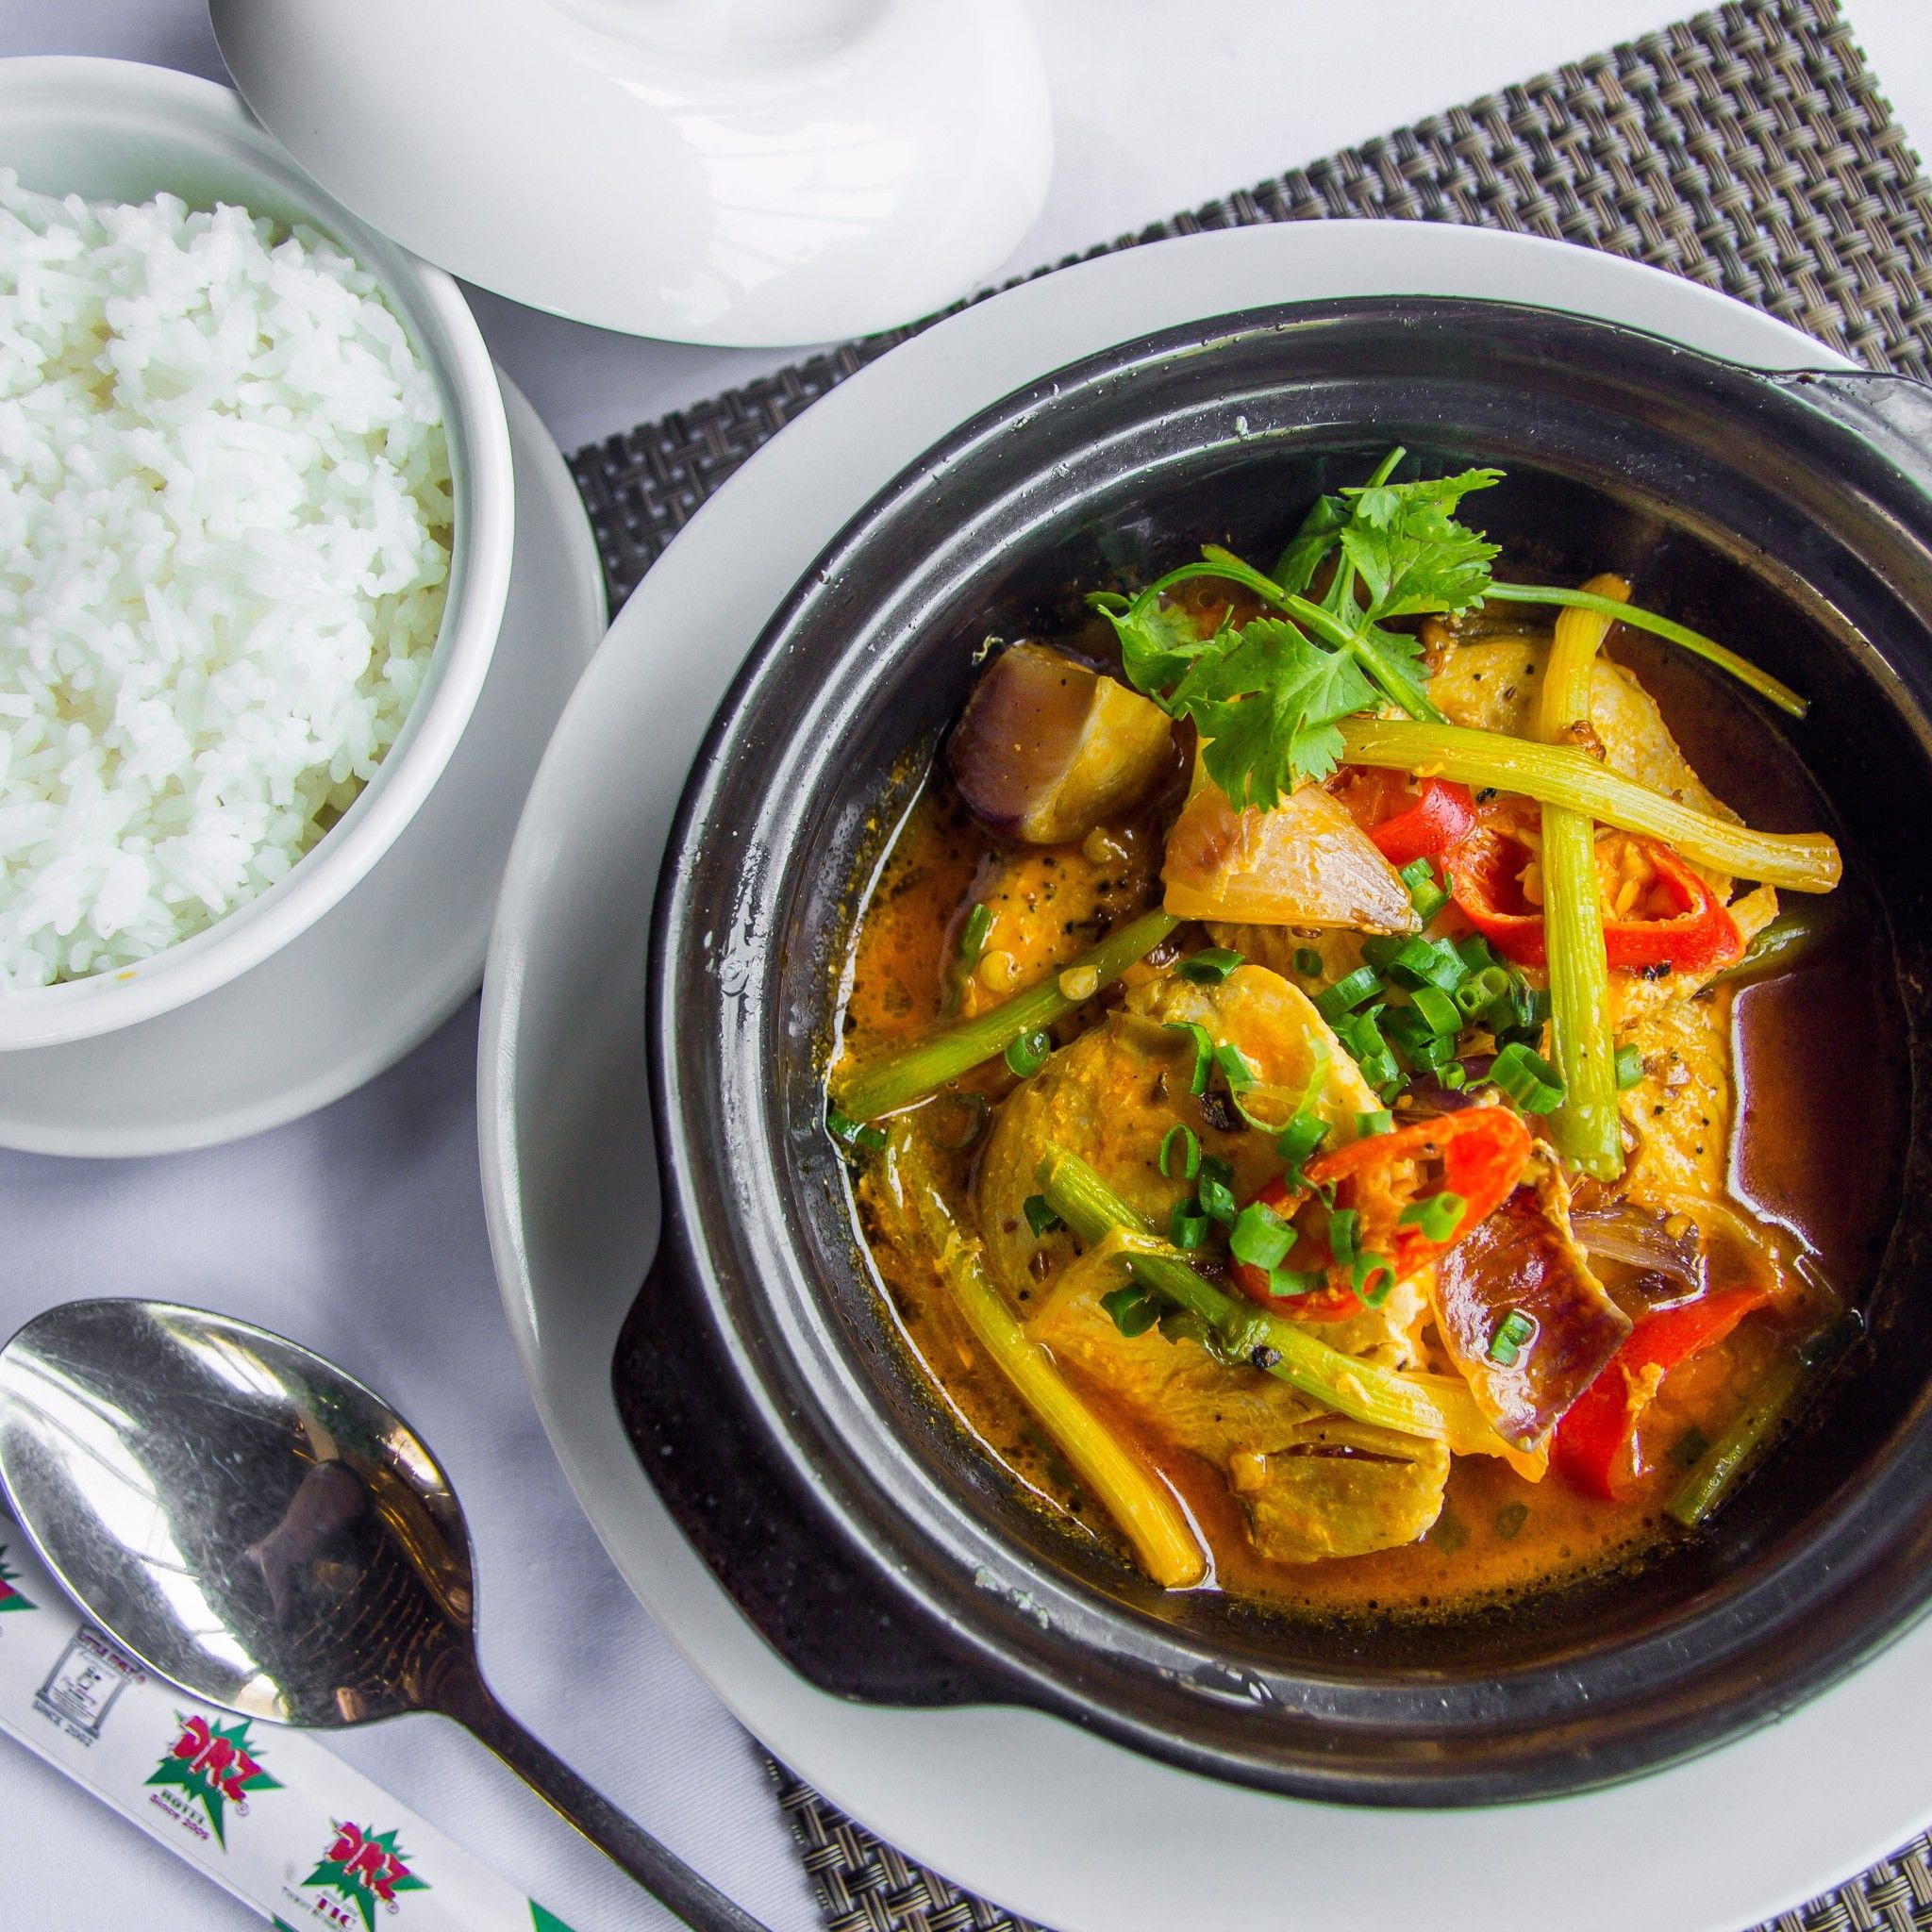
<point>259,1528</point>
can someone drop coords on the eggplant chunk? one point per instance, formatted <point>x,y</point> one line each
<point>1341,1488</point>
<point>1047,747</point>
<point>1522,1257</point>
<point>1304,863</point>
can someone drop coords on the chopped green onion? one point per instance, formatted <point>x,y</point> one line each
<point>973,938</point>
<point>1029,1052</point>
<point>1510,1518</point>
<point>1425,894</point>
<point>1188,1141</point>
<point>1372,1277</point>
<point>1629,1068</point>
<point>1239,1075</point>
<point>1132,1308</point>
<point>1209,966</point>
<point>971,945</point>
<point>1203,1052</point>
<point>1438,1008</point>
<point>1476,953</point>
<point>1188,1226</point>
<point>1454,1076</point>
<point>1297,1142</point>
<point>1261,1236</point>
<point>1385,1077</point>
<point>1379,950</point>
<point>1484,985</point>
<point>1344,1234</point>
<point>1438,1215</point>
<point>1039,1216</point>
<point>1514,1333</point>
<point>1427,962</point>
<point>1307,962</point>
<point>1359,1034</point>
<point>1421,1044</point>
<point>1283,1282</point>
<point>1379,1121</point>
<point>851,1135</point>
<point>1217,1195</point>
<point>1527,1078</point>
<point>1348,992</point>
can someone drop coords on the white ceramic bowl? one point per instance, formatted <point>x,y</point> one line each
<point>734,171</point>
<point>113,129</point>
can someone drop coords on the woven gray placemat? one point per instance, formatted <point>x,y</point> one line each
<point>1746,149</point>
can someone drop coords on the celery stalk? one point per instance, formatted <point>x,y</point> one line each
<point>1585,1126</point>
<point>1133,1496</point>
<point>897,1079</point>
<point>1561,775</point>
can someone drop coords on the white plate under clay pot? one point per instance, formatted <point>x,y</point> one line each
<point>393,958</point>
<point>1050,1821</point>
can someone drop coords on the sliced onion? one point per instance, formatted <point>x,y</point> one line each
<point>1304,863</point>
<point>1641,1237</point>
<point>1047,747</point>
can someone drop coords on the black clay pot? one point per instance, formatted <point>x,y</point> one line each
<point>760,1376</point>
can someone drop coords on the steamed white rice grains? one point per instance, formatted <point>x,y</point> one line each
<point>224,522</point>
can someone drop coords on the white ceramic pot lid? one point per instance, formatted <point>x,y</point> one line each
<point>740,172</point>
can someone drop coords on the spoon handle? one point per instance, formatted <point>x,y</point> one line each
<point>655,1866</point>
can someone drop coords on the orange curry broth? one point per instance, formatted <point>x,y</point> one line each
<point>1497,1533</point>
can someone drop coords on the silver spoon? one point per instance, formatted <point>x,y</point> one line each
<point>245,1520</point>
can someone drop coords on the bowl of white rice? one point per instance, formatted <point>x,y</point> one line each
<point>255,531</point>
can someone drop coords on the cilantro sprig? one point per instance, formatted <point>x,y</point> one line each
<point>1266,695</point>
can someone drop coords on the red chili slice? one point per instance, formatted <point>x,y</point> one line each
<point>1594,1440</point>
<point>1700,936</point>
<point>1407,819</point>
<point>1443,815</point>
<point>1482,1152</point>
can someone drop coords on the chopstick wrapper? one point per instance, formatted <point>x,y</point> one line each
<point>267,1812</point>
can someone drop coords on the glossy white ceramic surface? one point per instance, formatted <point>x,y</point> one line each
<point>403,947</point>
<point>1122,1844</point>
<point>734,172</point>
<point>119,130</point>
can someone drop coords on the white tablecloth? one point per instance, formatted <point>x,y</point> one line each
<point>360,1231</point>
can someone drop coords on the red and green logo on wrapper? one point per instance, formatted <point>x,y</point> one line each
<point>10,1598</point>
<point>366,1868</point>
<point>212,1765</point>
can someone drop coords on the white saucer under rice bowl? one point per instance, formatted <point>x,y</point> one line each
<point>224,543</point>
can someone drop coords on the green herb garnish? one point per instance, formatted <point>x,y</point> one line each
<point>1438,1215</point>
<point>1268,696</point>
<point>1028,1053</point>
<point>1180,1154</point>
<point>1210,965</point>
<point>1039,1217</point>
<point>1514,1333</point>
